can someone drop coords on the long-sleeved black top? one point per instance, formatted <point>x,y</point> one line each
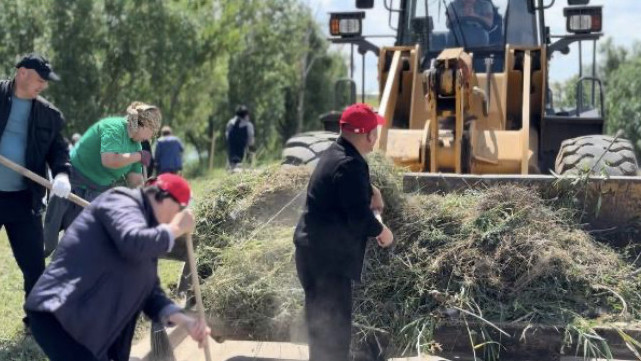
<point>337,220</point>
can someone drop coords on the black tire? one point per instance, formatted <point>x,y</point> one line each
<point>306,148</point>
<point>597,154</point>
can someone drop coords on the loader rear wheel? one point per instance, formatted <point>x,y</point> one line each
<point>597,154</point>
<point>306,148</point>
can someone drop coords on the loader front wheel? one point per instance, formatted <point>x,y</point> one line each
<point>306,148</point>
<point>597,155</point>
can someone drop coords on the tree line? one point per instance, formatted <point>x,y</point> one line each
<point>195,59</point>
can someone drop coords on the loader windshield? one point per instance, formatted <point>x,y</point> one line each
<point>482,27</point>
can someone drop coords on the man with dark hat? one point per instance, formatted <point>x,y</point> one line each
<point>30,136</point>
<point>104,273</point>
<point>331,235</point>
<point>239,135</point>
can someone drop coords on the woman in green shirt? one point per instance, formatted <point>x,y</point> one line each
<point>108,151</point>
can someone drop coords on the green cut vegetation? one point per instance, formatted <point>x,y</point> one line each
<point>481,257</point>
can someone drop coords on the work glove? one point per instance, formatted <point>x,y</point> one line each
<point>61,186</point>
<point>145,158</point>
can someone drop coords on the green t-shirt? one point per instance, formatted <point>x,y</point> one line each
<point>108,135</point>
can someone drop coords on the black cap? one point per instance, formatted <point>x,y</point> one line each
<point>242,110</point>
<point>40,64</point>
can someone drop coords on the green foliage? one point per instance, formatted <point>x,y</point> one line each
<point>22,28</point>
<point>283,55</point>
<point>618,69</point>
<point>480,258</point>
<point>194,59</point>
<point>624,103</point>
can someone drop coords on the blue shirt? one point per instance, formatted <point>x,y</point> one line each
<point>169,151</point>
<point>13,144</point>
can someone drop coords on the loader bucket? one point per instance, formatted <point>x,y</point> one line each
<point>605,202</point>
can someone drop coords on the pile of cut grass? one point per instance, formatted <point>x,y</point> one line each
<point>496,255</point>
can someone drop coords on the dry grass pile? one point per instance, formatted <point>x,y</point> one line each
<point>255,290</point>
<point>236,209</point>
<point>496,255</point>
<point>244,230</point>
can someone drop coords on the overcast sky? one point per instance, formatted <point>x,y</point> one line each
<point>621,17</point>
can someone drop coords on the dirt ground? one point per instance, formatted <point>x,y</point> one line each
<point>252,351</point>
<point>280,351</point>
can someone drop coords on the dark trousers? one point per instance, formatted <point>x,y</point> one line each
<point>62,212</point>
<point>24,230</point>
<point>58,345</point>
<point>328,311</point>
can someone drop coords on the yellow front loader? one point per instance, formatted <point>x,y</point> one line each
<point>466,97</point>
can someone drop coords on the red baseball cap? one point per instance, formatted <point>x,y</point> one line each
<point>360,118</point>
<point>175,185</point>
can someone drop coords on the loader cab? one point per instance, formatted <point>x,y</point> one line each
<point>489,29</point>
<point>482,27</point>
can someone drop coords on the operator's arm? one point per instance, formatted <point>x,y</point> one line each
<point>484,11</point>
<point>487,19</point>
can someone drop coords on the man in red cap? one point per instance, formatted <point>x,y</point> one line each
<point>86,304</point>
<point>332,232</point>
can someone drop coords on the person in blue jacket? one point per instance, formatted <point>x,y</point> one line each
<point>169,152</point>
<point>104,273</point>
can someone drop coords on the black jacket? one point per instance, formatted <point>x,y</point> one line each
<point>45,144</point>
<point>337,219</point>
<point>104,271</point>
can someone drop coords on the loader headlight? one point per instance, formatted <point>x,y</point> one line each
<point>584,19</point>
<point>346,25</point>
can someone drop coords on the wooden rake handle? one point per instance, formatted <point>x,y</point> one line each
<point>196,286</point>
<point>38,179</point>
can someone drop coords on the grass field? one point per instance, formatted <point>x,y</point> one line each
<point>14,345</point>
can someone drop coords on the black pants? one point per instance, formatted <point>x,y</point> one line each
<point>24,230</point>
<point>58,345</point>
<point>328,311</point>
<point>62,212</point>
